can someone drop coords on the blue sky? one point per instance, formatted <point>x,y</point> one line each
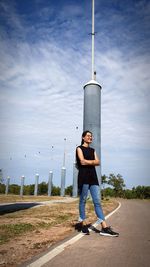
<point>45,51</point>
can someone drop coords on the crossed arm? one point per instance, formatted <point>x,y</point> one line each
<point>83,161</point>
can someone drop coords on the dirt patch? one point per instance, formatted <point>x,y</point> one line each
<point>26,246</point>
<point>49,223</point>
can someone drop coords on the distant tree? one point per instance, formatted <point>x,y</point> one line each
<point>146,191</point>
<point>55,190</point>
<point>128,194</point>
<point>134,192</point>
<point>142,191</point>
<point>29,189</point>
<point>68,190</point>
<point>109,192</point>
<point>1,176</point>
<point>2,188</point>
<point>14,189</point>
<point>118,184</point>
<point>104,180</point>
<point>42,188</point>
<point>138,192</point>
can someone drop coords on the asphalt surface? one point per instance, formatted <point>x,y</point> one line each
<point>130,249</point>
<point>13,207</point>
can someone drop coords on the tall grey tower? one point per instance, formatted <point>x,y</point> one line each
<point>92,105</point>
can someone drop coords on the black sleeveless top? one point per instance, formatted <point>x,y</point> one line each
<point>87,173</point>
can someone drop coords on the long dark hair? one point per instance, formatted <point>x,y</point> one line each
<point>83,135</point>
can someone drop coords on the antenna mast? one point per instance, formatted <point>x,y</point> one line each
<point>93,34</point>
<point>92,105</point>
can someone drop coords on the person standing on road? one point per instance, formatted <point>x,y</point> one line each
<point>87,159</point>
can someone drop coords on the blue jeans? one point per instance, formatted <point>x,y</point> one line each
<point>95,193</point>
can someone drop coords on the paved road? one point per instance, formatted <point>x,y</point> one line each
<point>130,249</point>
<point>12,207</point>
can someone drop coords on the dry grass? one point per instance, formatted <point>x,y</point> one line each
<point>16,198</point>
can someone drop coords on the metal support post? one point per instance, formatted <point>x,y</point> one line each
<point>63,178</point>
<point>50,183</point>
<point>36,184</point>
<point>7,185</point>
<point>75,175</point>
<point>22,185</point>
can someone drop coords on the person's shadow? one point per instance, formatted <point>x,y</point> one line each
<point>78,227</point>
